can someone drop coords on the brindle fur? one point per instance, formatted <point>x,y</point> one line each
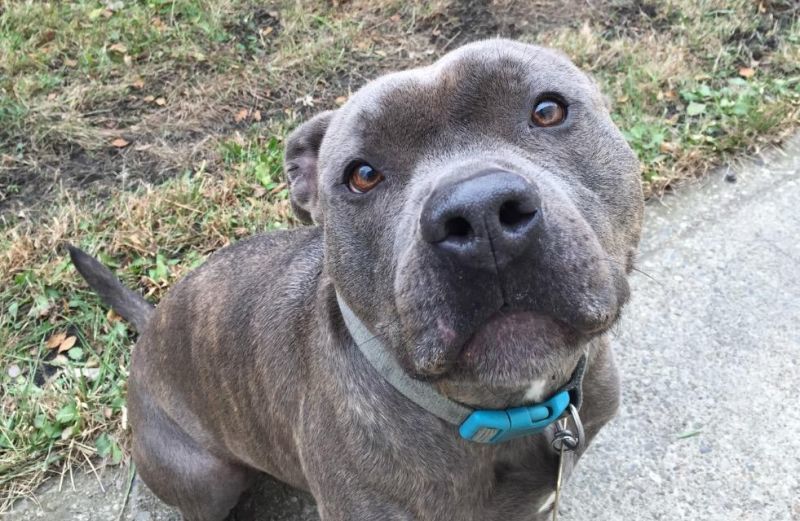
<point>246,367</point>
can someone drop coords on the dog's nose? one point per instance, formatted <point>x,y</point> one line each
<point>486,220</point>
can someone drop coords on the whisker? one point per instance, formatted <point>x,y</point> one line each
<point>637,270</point>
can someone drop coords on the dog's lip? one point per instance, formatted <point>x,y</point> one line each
<point>504,322</point>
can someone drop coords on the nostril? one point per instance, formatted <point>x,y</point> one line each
<point>513,216</point>
<point>458,227</point>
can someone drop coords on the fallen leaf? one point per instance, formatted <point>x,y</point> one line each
<point>118,47</point>
<point>47,37</point>
<point>667,147</point>
<point>395,18</point>
<point>341,100</point>
<point>67,344</point>
<point>240,116</point>
<point>52,96</point>
<point>747,72</point>
<point>149,99</point>
<point>161,102</point>
<point>69,62</point>
<point>120,143</point>
<point>55,340</point>
<point>138,84</point>
<point>257,115</point>
<point>112,316</point>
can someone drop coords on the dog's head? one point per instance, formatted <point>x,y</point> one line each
<point>479,214</point>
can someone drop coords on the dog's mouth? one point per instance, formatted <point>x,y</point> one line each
<point>513,348</point>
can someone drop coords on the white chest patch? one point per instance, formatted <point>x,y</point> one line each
<point>548,502</point>
<point>535,392</point>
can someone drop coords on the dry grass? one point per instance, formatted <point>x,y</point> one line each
<point>203,92</point>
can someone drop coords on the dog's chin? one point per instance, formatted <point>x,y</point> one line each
<point>514,348</point>
<point>510,353</point>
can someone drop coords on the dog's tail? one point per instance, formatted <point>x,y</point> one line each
<point>128,304</point>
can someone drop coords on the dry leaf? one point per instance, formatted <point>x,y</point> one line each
<point>747,72</point>
<point>112,316</point>
<point>341,100</point>
<point>67,344</point>
<point>149,99</point>
<point>240,116</point>
<point>257,115</point>
<point>51,96</point>
<point>161,102</point>
<point>667,147</point>
<point>120,143</point>
<point>55,340</point>
<point>69,62</point>
<point>138,84</point>
<point>118,47</point>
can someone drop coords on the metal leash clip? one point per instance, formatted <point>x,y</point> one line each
<point>564,440</point>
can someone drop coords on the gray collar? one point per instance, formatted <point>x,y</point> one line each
<point>488,426</point>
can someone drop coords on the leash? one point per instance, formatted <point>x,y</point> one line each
<point>565,442</point>
<point>482,425</point>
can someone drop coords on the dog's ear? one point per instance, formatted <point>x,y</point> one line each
<point>300,165</point>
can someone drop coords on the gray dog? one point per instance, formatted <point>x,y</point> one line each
<point>414,352</point>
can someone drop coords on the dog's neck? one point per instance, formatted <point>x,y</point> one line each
<point>485,425</point>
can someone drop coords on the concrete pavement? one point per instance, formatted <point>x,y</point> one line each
<point>709,351</point>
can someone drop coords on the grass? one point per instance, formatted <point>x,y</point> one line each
<point>202,93</point>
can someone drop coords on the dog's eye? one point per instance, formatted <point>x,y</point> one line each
<point>548,112</point>
<point>363,178</point>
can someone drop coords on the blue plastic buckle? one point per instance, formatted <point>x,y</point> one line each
<point>495,426</point>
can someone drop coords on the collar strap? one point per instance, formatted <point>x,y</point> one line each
<point>482,425</point>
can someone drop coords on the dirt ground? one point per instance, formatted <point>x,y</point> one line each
<point>69,151</point>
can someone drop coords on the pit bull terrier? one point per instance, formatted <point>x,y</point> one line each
<point>472,227</point>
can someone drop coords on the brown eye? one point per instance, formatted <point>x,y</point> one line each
<point>548,113</point>
<point>363,178</point>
